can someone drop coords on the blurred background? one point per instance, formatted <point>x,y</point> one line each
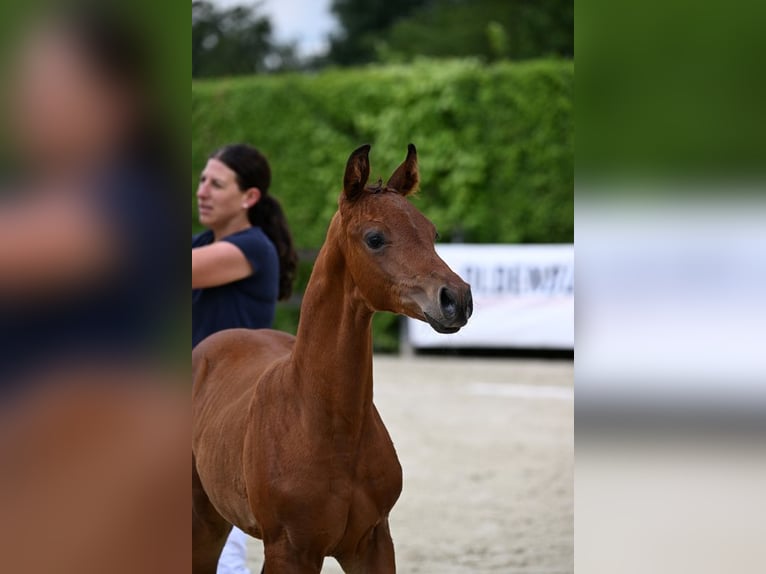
<point>94,415</point>
<point>482,421</point>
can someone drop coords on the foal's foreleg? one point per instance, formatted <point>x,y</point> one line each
<point>375,555</point>
<point>209,530</point>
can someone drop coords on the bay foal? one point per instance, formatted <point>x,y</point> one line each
<point>287,443</point>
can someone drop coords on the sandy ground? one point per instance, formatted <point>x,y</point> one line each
<point>487,450</point>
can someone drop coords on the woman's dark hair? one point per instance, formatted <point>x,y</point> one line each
<point>253,170</point>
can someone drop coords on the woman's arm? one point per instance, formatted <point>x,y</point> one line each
<point>218,264</point>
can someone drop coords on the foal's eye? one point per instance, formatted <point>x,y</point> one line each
<point>375,240</point>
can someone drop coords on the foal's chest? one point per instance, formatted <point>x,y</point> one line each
<point>378,472</point>
<point>370,488</point>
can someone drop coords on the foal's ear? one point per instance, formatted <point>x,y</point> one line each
<point>405,179</point>
<point>357,172</point>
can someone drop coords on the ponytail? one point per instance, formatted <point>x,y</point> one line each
<point>268,215</point>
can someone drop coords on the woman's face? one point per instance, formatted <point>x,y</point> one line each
<point>219,198</point>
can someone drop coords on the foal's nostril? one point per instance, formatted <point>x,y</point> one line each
<point>448,303</point>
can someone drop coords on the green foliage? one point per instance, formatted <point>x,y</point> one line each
<point>497,36</point>
<point>490,29</point>
<point>495,145</point>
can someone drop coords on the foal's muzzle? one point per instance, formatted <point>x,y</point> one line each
<point>452,311</point>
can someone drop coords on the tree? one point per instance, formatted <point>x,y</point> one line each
<point>362,21</point>
<point>375,30</point>
<point>234,41</point>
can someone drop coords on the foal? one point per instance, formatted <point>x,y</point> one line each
<point>287,443</point>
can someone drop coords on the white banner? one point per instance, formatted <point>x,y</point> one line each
<point>523,297</point>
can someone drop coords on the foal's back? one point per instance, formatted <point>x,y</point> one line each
<point>227,365</point>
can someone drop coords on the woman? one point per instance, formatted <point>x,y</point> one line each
<point>245,261</point>
<point>241,265</point>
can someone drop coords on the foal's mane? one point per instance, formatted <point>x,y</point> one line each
<point>380,187</point>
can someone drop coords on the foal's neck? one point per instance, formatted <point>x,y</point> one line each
<point>333,348</point>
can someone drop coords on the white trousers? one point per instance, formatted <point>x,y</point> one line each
<point>234,556</point>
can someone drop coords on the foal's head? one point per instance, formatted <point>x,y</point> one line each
<point>389,248</point>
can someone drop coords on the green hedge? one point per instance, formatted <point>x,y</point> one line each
<point>495,145</point>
